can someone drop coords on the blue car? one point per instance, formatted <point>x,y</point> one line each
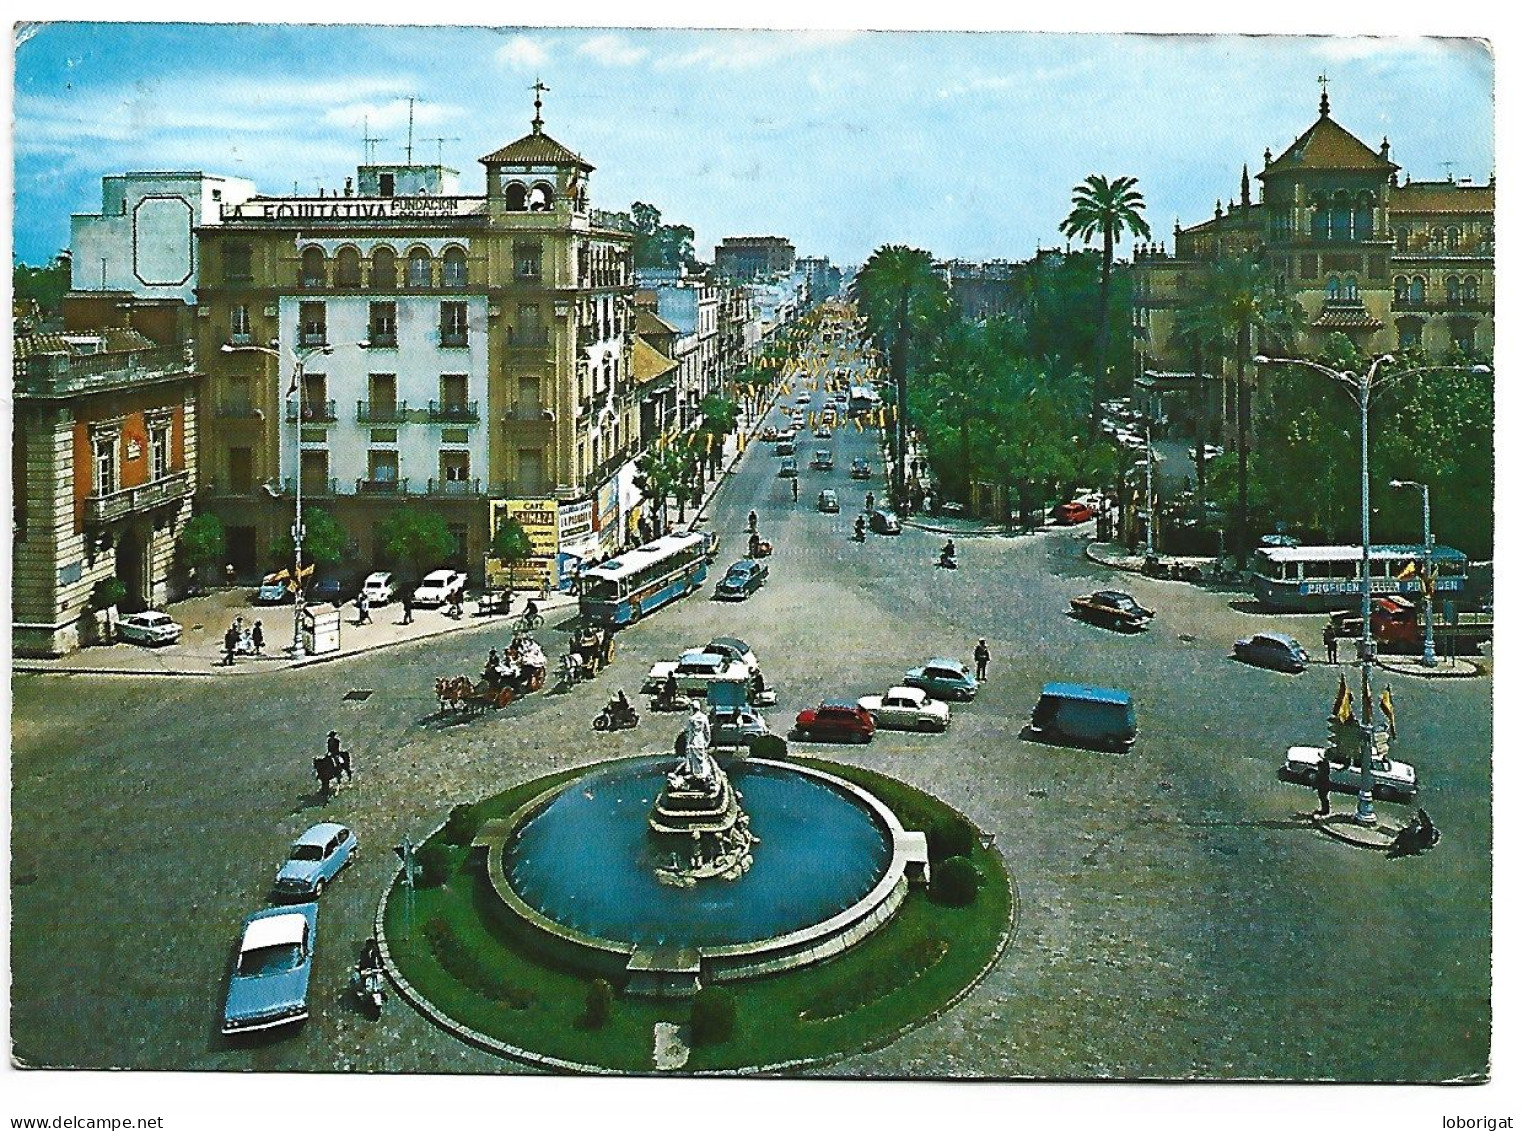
<point>1272,650</point>
<point>316,857</point>
<point>943,678</point>
<point>268,986</point>
<point>741,580</point>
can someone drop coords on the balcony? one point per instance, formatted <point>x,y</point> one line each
<point>312,412</point>
<point>458,488</point>
<point>380,412</point>
<point>528,413</point>
<point>316,336</point>
<point>537,337</point>
<point>453,412</point>
<point>1433,305</point>
<point>454,338</point>
<point>239,410</point>
<point>313,487</point>
<point>240,338</point>
<point>61,374</point>
<point>383,487</point>
<point>382,339</point>
<point>134,500</point>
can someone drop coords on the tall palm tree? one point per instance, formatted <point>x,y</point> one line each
<point>902,298</point>
<point>1107,209</point>
<point>1198,330</point>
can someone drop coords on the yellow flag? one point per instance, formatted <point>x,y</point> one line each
<point>1343,702</point>
<point>1407,571</point>
<point>1388,709</point>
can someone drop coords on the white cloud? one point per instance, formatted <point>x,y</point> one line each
<point>522,53</point>
<point>385,115</point>
<point>1343,49</point>
<point>741,51</point>
<point>612,51</point>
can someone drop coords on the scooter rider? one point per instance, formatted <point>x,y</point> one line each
<point>751,522</point>
<point>861,529</point>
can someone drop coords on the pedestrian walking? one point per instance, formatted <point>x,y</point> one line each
<point>795,490</point>
<point>1330,642</point>
<point>362,603</point>
<point>981,659</point>
<point>406,609</point>
<point>1324,786</point>
<point>256,634</point>
<point>231,574</point>
<point>229,645</point>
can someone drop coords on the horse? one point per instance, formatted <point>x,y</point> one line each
<point>452,691</point>
<point>328,770</point>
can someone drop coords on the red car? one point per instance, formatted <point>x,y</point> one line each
<point>1071,514</point>
<point>839,719</point>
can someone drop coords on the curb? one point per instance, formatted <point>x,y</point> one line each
<point>1378,837</point>
<point>1462,669</point>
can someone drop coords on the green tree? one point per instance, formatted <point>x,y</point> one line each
<point>1107,209</point>
<point>658,244</point>
<point>905,303</point>
<point>418,537</point>
<point>45,286</point>
<point>203,543</point>
<point>658,474</point>
<point>511,544</point>
<point>322,543</point>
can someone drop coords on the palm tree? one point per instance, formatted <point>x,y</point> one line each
<point>900,294</point>
<point>1198,329</point>
<point>1106,209</point>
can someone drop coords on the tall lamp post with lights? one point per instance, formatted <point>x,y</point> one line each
<point>298,359</point>
<point>1361,387</point>
<point>1430,654</point>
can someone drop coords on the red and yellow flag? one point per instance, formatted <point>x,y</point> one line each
<point>1388,709</point>
<point>1407,571</point>
<point>1343,702</point>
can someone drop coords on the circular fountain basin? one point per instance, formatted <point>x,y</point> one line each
<point>579,862</point>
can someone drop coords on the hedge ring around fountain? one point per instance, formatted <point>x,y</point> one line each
<point>667,878</point>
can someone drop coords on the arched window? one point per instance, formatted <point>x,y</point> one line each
<point>1334,288</point>
<point>516,197</point>
<point>454,267</point>
<point>1470,289</point>
<point>420,268</point>
<point>1435,238</point>
<point>383,269</point>
<point>1351,288</point>
<point>1403,238</point>
<point>314,268</point>
<point>1399,285</point>
<point>1452,289</point>
<point>1364,217</point>
<point>1342,217</point>
<point>541,197</point>
<point>1409,332</point>
<point>346,267</point>
<point>1452,239</point>
<point>1321,219</point>
<point>1419,290</point>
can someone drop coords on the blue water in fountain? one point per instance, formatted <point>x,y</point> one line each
<point>587,859</point>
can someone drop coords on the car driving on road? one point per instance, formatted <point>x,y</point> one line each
<point>1111,608</point>
<point>315,858</point>
<point>1272,650</point>
<point>883,522</point>
<point>907,708</point>
<point>741,580</point>
<point>944,678</point>
<point>267,987</point>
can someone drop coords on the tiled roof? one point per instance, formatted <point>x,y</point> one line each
<point>535,149</point>
<point>1347,320</point>
<point>649,362</point>
<point>1327,145</point>
<point>116,341</point>
<point>1443,196</point>
<point>651,324</point>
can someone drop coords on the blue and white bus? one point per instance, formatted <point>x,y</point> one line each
<point>625,588</point>
<point>1320,578</point>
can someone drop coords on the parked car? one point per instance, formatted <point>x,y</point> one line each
<point>275,588</point>
<point>315,858</point>
<point>741,580</point>
<point>377,588</point>
<point>327,591</point>
<point>907,708</point>
<point>148,627</point>
<point>1085,715</point>
<point>739,727</point>
<point>829,503</point>
<point>695,670</point>
<point>736,649</point>
<point>437,588</point>
<point>268,984</point>
<point>836,718</point>
<point>880,521</point>
<point>1272,650</point>
<point>822,432</point>
<point>1111,608</point>
<point>1071,514</point>
<point>823,460</point>
<point>860,469</point>
<point>944,678</point>
<point>1392,779</point>
<point>789,469</point>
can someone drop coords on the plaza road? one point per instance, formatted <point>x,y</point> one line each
<point>1177,914</point>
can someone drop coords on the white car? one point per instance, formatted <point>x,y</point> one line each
<point>736,649</point>
<point>907,708</point>
<point>437,588</point>
<point>377,588</point>
<point>695,671</point>
<point>1391,778</point>
<point>148,628</point>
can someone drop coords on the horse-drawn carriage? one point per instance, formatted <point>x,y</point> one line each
<point>520,672</point>
<point>589,651</point>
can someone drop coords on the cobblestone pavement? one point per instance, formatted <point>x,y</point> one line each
<point>1179,915</point>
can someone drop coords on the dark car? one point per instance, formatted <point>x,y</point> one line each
<point>823,460</point>
<point>883,522</point>
<point>1111,608</point>
<point>788,469</point>
<point>327,590</point>
<point>1272,650</point>
<point>836,718</point>
<point>860,468</point>
<point>741,580</point>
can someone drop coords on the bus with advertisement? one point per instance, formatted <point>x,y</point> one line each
<point>640,581</point>
<point>1323,578</point>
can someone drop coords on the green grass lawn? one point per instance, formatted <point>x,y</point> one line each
<point>768,1026</point>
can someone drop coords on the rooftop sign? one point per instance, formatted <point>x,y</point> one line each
<point>344,208</point>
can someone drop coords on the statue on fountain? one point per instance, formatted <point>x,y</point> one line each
<point>700,806</point>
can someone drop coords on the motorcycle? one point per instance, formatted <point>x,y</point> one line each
<point>616,716</point>
<point>859,532</point>
<point>368,984</point>
<point>1419,835</point>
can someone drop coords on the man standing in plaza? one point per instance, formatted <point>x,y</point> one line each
<point>981,659</point>
<point>406,609</point>
<point>362,603</point>
<point>229,644</point>
<point>1324,785</point>
<point>1330,642</point>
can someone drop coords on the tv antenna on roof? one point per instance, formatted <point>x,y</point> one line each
<point>410,102</point>
<point>1448,169</point>
<point>370,143</point>
<point>439,160</point>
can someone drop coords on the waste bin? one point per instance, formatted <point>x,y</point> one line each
<point>319,629</point>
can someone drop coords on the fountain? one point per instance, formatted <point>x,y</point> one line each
<point>650,874</point>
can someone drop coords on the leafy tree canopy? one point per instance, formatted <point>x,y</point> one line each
<point>322,544</point>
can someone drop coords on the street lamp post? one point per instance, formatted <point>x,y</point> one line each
<point>1362,386</point>
<point>299,359</point>
<point>1430,655</point>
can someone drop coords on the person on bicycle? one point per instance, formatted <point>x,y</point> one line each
<point>531,613</point>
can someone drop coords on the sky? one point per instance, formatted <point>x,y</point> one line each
<point>967,144</point>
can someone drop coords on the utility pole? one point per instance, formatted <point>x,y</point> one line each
<point>439,157</point>
<point>410,102</point>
